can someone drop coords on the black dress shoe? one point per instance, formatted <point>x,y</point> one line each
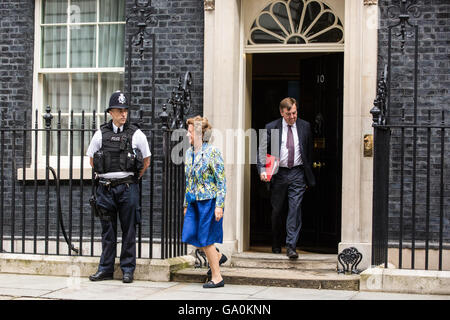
<point>127,277</point>
<point>276,250</point>
<point>101,275</point>
<point>222,260</point>
<point>211,284</point>
<point>291,253</point>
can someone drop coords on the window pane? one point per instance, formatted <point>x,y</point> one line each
<point>110,82</point>
<point>54,47</point>
<point>54,11</point>
<point>266,21</point>
<point>78,135</point>
<point>82,46</point>
<point>111,45</point>
<point>83,11</point>
<point>333,35</point>
<point>56,92</point>
<point>112,10</point>
<point>296,9</point>
<point>84,92</point>
<point>296,40</point>
<point>63,136</point>
<point>312,10</point>
<point>326,20</point>
<point>259,36</point>
<point>280,12</point>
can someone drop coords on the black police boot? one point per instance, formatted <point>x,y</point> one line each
<point>101,275</point>
<point>127,277</point>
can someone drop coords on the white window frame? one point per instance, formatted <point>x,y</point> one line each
<point>37,99</point>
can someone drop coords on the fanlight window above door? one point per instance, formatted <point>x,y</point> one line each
<point>296,22</point>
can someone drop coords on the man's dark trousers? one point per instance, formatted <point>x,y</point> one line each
<point>124,200</point>
<point>290,184</point>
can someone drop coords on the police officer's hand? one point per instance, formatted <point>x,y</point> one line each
<point>219,213</point>
<point>184,211</point>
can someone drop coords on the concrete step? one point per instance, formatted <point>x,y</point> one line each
<point>305,261</point>
<point>292,278</point>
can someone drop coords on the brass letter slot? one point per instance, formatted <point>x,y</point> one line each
<point>319,143</point>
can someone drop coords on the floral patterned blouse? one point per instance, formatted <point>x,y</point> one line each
<point>205,174</point>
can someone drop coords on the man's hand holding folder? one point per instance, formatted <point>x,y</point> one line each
<point>272,165</point>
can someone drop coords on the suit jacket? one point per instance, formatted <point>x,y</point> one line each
<point>205,176</point>
<point>305,141</point>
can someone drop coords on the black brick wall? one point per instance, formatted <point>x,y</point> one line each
<point>16,55</point>
<point>433,96</point>
<point>179,48</point>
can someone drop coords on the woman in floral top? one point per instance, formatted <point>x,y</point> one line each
<point>205,197</point>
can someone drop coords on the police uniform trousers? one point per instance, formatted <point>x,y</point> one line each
<point>287,185</point>
<point>123,200</point>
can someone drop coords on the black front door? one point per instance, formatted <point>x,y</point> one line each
<point>315,80</point>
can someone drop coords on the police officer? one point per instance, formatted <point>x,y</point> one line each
<point>119,154</point>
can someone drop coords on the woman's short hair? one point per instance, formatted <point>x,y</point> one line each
<point>202,122</point>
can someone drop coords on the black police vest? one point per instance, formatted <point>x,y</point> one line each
<point>116,153</point>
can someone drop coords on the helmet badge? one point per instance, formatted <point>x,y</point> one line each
<point>122,98</point>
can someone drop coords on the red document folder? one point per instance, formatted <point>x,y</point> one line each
<point>272,164</point>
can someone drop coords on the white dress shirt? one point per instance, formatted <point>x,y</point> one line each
<point>139,141</point>
<point>284,151</point>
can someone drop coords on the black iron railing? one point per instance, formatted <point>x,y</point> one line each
<point>411,149</point>
<point>45,183</point>
<point>44,194</point>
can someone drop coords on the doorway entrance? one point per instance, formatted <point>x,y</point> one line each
<point>315,80</point>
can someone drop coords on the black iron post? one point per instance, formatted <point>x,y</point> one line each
<point>164,117</point>
<point>181,101</point>
<point>380,176</point>
<point>48,123</point>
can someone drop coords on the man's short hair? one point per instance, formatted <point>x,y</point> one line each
<point>287,103</point>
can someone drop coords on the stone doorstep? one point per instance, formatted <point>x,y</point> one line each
<point>76,266</point>
<point>405,281</point>
<point>281,261</point>
<point>320,279</point>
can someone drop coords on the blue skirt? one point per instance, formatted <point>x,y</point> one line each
<point>200,227</point>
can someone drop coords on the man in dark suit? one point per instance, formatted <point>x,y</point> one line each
<point>294,151</point>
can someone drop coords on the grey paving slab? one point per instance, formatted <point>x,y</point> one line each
<point>31,298</point>
<point>33,282</point>
<point>135,284</point>
<point>277,293</point>
<point>94,291</point>
<point>228,289</point>
<point>24,292</point>
<point>217,294</point>
<point>397,296</point>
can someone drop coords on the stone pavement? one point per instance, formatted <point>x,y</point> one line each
<point>38,287</point>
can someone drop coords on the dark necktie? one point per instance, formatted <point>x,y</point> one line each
<point>290,147</point>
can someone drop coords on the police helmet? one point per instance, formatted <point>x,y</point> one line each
<point>118,100</point>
